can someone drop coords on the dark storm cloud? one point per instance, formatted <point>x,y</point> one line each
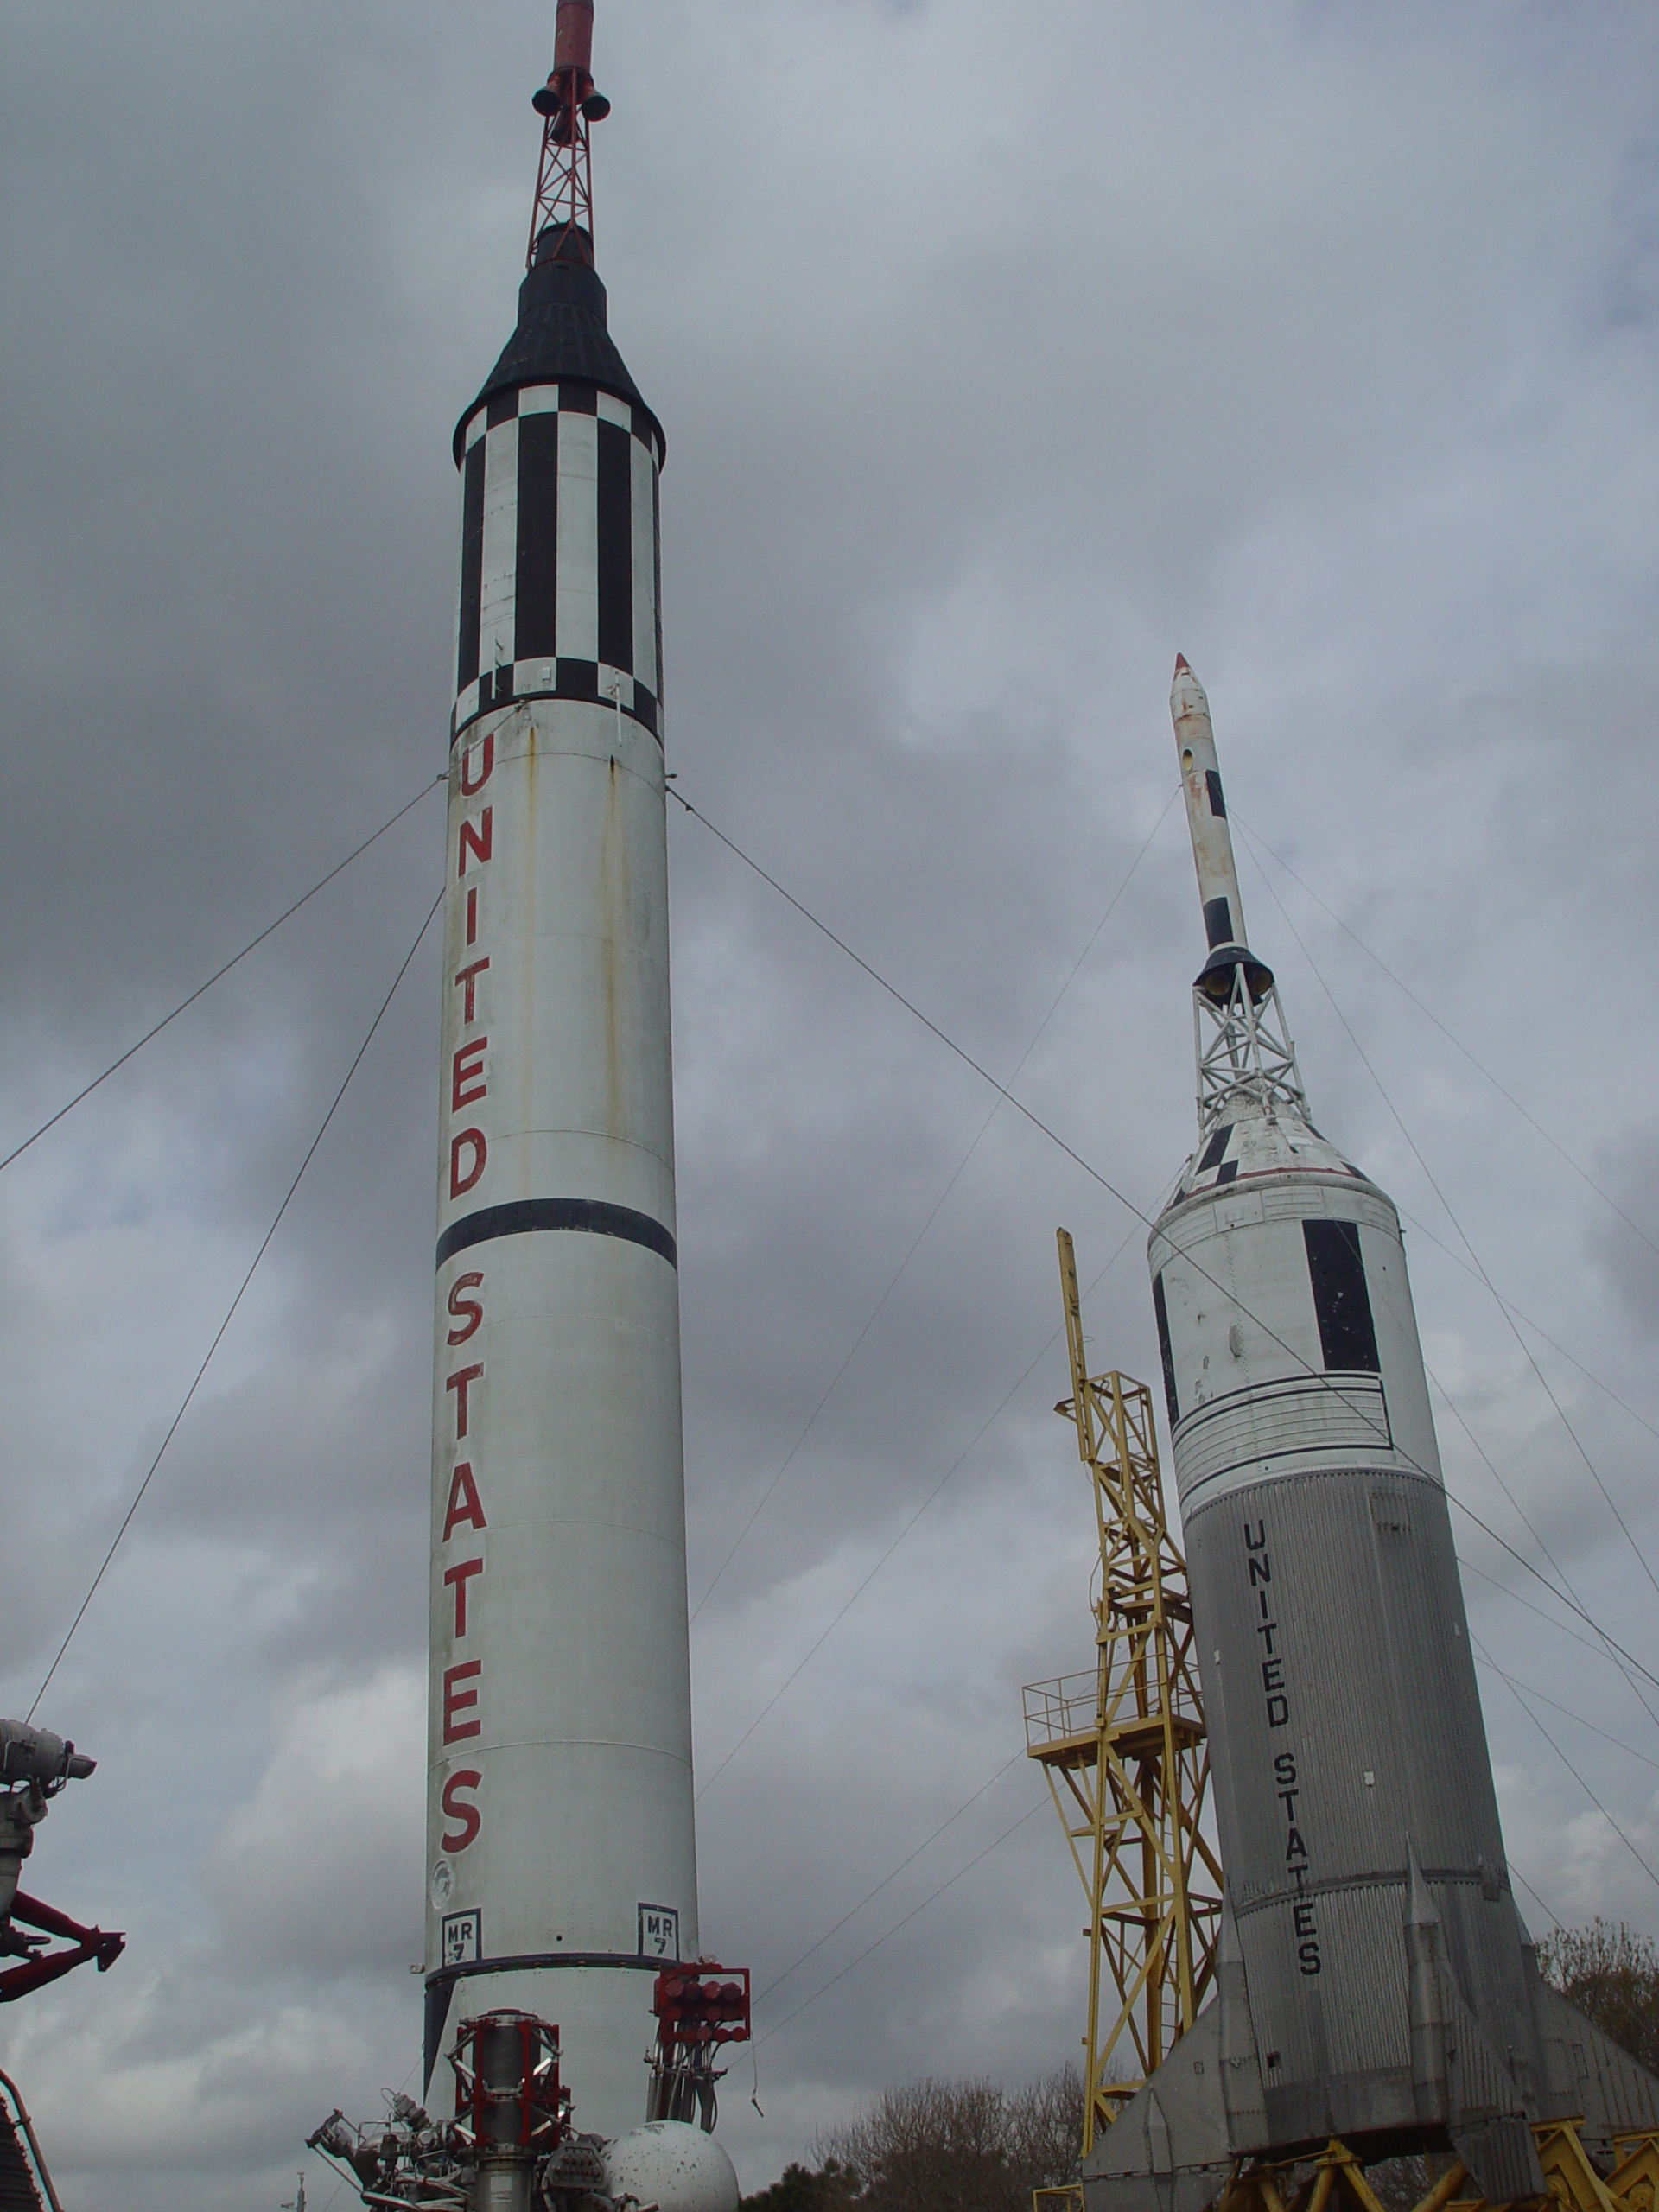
<point>1316,342</point>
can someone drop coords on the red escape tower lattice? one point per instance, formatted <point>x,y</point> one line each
<point>564,187</point>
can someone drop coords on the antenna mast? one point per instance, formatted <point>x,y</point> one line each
<point>569,105</point>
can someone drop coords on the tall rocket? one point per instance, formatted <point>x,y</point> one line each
<point>1376,1981</point>
<point>561,1852</point>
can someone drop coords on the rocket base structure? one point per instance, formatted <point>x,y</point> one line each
<point>1375,1983</point>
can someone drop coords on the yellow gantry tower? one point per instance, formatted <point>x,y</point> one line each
<point>1125,1752</point>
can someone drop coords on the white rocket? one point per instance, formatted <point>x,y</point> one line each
<point>1376,1981</point>
<point>561,1856</point>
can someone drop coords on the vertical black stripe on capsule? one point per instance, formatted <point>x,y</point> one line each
<point>1212,1152</point>
<point>1212,784</point>
<point>472,563</point>
<point>657,584</point>
<point>1163,1352</point>
<point>1342,1304</point>
<point>1218,922</point>
<point>615,545</point>
<point>536,585</point>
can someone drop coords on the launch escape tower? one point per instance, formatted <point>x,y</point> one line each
<point>1376,1992</point>
<point>1126,1743</point>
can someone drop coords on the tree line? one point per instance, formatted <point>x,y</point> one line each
<point>972,2146</point>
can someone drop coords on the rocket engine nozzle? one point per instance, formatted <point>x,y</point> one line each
<point>572,35</point>
<point>1212,845</point>
<point>569,85</point>
<point>36,1755</point>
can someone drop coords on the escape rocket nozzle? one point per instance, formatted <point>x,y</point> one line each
<point>1213,844</point>
<point>570,81</point>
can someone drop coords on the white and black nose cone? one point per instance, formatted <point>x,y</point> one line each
<point>561,1856</point>
<point>1212,841</point>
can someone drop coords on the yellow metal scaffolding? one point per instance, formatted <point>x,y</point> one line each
<point>1125,1753</point>
<point>1335,2181</point>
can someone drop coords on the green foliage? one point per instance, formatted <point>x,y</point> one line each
<point>941,2146</point>
<point>1611,1975</point>
<point>806,2189</point>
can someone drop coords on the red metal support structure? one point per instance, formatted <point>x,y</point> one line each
<point>698,2007</point>
<point>16,2183</point>
<point>569,104</point>
<point>508,2094</point>
<point>40,1966</point>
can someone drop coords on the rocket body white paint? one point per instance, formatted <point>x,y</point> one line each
<point>562,1867</point>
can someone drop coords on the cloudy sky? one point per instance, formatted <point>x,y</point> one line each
<point>1317,341</point>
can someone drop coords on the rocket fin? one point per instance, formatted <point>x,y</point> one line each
<point>439,1991</point>
<point>1430,2066</point>
<point>1242,2092</point>
<point>1587,2077</point>
<point>1502,2160</point>
<point>1487,2118</point>
<point>1168,2150</point>
<point>1178,2140</point>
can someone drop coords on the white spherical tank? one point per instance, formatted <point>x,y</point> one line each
<point>674,2166</point>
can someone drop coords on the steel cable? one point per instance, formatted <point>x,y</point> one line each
<point>1451,1038</point>
<point>1095,1175</point>
<point>1479,1265</point>
<point>823,1991</point>
<point>1515,1692</point>
<point>264,1242</point>
<point>252,945</point>
<point>921,1233</point>
<point>991,1418</point>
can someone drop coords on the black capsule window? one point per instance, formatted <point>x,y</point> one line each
<point>1162,1312</point>
<point>1341,1301</point>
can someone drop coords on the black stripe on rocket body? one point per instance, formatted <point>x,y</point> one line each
<point>615,564</point>
<point>536,579</point>
<point>560,678</point>
<point>626,589</point>
<point>1218,922</point>
<point>524,1216</point>
<point>1171,1395</point>
<point>1213,1153</point>
<point>472,564</point>
<point>1342,1303</point>
<point>657,591</point>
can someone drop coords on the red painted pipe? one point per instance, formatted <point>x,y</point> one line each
<point>573,36</point>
